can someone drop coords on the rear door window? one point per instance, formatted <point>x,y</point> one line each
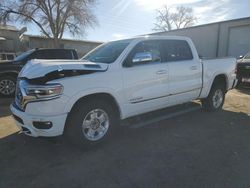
<point>176,50</point>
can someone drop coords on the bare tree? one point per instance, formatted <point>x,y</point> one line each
<point>52,17</point>
<point>167,19</point>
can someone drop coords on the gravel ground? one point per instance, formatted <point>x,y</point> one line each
<point>195,149</point>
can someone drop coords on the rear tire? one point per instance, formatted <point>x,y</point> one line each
<point>215,99</point>
<point>91,122</point>
<point>7,86</point>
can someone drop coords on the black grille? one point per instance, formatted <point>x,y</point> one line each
<point>19,96</point>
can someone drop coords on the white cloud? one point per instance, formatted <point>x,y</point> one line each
<point>155,4</point>
<point>117,36</point>
<point>120,7</point>
<point>209,11</point>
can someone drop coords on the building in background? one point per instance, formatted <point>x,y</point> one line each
<point>9,39</point>
<point>227,38</point>
<point>81,46</point>
<point>14,40</point>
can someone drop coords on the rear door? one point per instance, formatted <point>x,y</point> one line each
<point>185,72</point>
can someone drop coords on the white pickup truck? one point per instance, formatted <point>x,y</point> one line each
<point>85,99</point>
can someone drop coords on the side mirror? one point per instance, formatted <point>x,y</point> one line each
<point>142,57</point>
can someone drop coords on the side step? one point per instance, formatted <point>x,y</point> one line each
<point>160,115</point>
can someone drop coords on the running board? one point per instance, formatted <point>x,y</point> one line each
<point>168,113</point>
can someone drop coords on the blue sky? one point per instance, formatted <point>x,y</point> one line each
<point>125,18</point>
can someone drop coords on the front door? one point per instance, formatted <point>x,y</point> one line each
<point>145,78</point>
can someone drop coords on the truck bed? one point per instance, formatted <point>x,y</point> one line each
<point>213,67</point>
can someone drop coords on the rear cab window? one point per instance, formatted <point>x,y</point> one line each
<point>53,54</point>
<point>60,54</point>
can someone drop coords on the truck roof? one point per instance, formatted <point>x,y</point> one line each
<point>175,37</point>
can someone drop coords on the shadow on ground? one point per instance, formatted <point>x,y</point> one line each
<point>198,149</point>
<point>4,106</point>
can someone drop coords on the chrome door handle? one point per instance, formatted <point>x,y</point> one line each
<point>194,67</point>
<point>161,72</point>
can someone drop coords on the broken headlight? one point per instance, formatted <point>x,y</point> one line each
<point>31,93</point>
<point>44,91</point>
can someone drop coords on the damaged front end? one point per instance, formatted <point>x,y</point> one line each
<point>33,80</point>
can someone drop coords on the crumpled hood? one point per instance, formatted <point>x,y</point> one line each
<point>38,68</point>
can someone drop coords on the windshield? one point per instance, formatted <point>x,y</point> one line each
<point>108,52</point>
<point>23,55</point>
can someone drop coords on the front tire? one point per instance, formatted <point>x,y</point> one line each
<point>91,122</point>
<point>215,99</point>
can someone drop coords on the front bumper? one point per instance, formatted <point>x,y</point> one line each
<point>25,122</point>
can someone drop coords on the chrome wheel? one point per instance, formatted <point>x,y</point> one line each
<point>217,98</point>
<point>7,87</point>
<point>95,124</point>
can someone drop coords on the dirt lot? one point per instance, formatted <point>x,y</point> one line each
<point>196,149</point>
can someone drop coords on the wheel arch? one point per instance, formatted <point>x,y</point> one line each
<point>221,78</point>
<point>99,95</point>
<point>207,103</point>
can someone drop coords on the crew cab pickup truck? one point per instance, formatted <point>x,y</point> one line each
<point>86,99</point>
<point>9,69</point>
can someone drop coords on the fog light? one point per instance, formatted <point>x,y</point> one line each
<point>42,124</point>
<point>25,130</point>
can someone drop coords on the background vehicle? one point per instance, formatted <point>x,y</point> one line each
<point>243,70</point>
<point>9,70</point>
<point>5,56</point>
<point>117,80</point>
